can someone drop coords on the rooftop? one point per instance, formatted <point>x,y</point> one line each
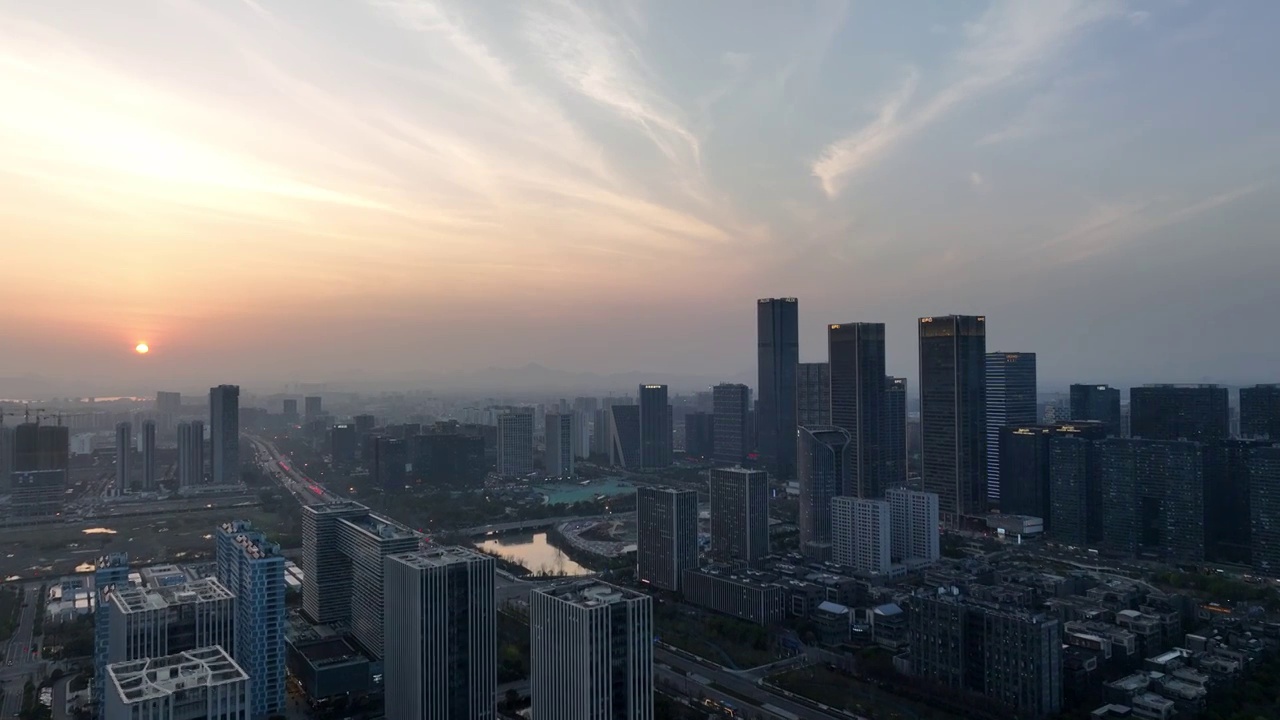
<point>590,594</point>
<point>138,599</point>
<point>330,651</point>
<point>336,507</point>
<point>379,527</point>
<point>140,680</point>
<point>440,557</point>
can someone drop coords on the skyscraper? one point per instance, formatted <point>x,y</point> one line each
<point>1097,402</point>
<point>624,436</point>
<point>1026,466</point>
<point>860,536</point>
<point>1153,497</point>
<point>124,456</point>
<point>813,394</point>
<point>739,514</point>
<point>953,412</point>
<point>441,635</point>
<point>699,434</point>
<point>731,403</point>
<point>913,525</point>
<point>149,455</point>
<point>591,653</point>
<point>313,407</point>
<point>655,427</point>
<point>252,568</point>
<point>515,442</point>
<point>40,458</point>
<point>1179,412</point>
<point>344,546</point>
<point>168,402</point>
<point>1228,471</point>
<point>1075,490</point>
<point>855,353</point>
<point>824,473</point>
<point>1264,510</point>
<point>109,573</point>
<point>560,456</point>
<point>778,346</point>
<point>290,409</point>
<point>7,443</point>
<point>666,535</point>
<point>1260,412</point>
<point>157,621</point>
<point>190,453</point>
<point>894,446</point>
<point>224,434</point>
<point>1011,400</point>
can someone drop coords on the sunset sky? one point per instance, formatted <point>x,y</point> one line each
<point>321,190</point>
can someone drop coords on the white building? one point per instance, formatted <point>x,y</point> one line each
<point>592,653</point>
<point>201,684</point>
<point>915,525</point>
<point>440,645</point>
<point>860,536</point>
<point>155,622</point>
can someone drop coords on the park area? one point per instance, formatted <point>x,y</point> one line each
<point>733,643</point>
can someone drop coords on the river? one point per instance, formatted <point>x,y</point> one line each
<point>534,552</point>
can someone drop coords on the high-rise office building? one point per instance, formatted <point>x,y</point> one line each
<point>1153,497</point>
<point>252,568</point>
<point>313,407</point>
<point>168,402</point>
<point>150,622</point>
<point>190,453</point>
<point>515,442</point>
<point>860,535</point>
<point>149,455</point>
<point>344,442</point>
<point>699,434</point>
<point>390,456</point>
<point>591,654</point>
<point>813,394</point>
<point>198,684</point>
<point>739,514</point>
<point>344,546</point>
<point>953,390</point>
<point>624,436</point>
<point>40,460</point>
<point>655,427</point>
<point>1264,510</point>
<point>1199,413</point>
<point>441,635</point>
<point>364,423</point>
<point>109,573</point>
<point>1010,656</point>
<point>560,455</point>
<point>1097,402</point>
<point>778,358</point>
<point>289,409</point>
<point>824,473</point>
<point>666,535</point>
<point>913,525</point>
<point>124,457</point>
<point>1227,479</point>
<point>855,352</point>
<point>1075,490</point>
<point>1260,412</point>
<point>1011,400</point>
<point>894,446</point>
<point>1026,468</point>
<point>224,434</point>
<point>731,403</point>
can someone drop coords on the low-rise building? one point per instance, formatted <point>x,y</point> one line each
<point>738,592</point>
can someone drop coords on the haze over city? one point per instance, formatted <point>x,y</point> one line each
<point>405,192</point>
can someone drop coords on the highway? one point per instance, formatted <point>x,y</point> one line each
<point>306,490</point>
<point>19,660</point>
<point>518,525</point>
<point>739,685</point>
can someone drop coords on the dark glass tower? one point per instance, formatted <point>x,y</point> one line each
<point>1179,412</point>
<point>731,403</point>
<point>224,434</point>
<point>1227,532</point>
<point>953,352</point>
<point>855,352</point>
<point>1153,498</point>
<point>778,348</point>
<point>894,455</point>
<point>655,427</point>
<point>666,535</point>
<point>824,473</point>
<point>813,394</point>
<point>1075,490</point>
<point>1097,402</point>
<point>699,434</point>
<point>1264,509</point>
<point>1026,465</point>
<point>1011,400</point>
<point>1260,412</point>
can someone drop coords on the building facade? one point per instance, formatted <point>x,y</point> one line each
<point>124,457</point>
<point>778,358</point>
<point>699,435</point>
<point>515,442</point>
<point>190,453</point>
<point>1264,510</point>
<point>1153,498</point>
<point>655,427</point>
<point>1198,413</point>
<point>824,473</point>
<point>913,526</point>
<point>224,434</point>
<point>1100,403</point>
<point>813,394</point>
<point>860,534</point>
<point>739,514</point>
<point>731,404</point>
<point>158,621</point>
<point>1011,400</point>
<point>198,684</point>
<point>560,456</point>
<point>591,653</point>
<point>252,568</point>
<point>441,635</point>
<point>1025,465</point>
<point>110,572</point>
<point>666,535</point>
<point>894,445</point>
<point>1260,412</point>
<point>855,352</point>
<point>953,413</point>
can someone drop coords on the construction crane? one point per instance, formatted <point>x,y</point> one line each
<point>59,415</point>
<point>26,414</point>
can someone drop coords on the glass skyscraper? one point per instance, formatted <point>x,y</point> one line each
<point>855,352</point>
<point>224,434</point>
<point>824,473</point>
<point>1011,400</point>
<point>731,403</point>
<point>778,358</point>
<point>252,568</point>
<point>1179,412</point>
<point>1097,402</point>
<point>813,394</point>
<point>894,447</point>
<point>953,352</point>
<point>1260,412</point>
<point>655,427</point>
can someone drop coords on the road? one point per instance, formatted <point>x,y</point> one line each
<point>19,660</point>
<point>306,490</point>
<point>497,528</point>
<point>737,684</point>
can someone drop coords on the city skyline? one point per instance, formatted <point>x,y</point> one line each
<point>245,188</point>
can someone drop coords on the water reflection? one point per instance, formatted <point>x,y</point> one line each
<point>533,552</point>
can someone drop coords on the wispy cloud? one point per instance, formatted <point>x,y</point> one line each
<point>1010,43</point>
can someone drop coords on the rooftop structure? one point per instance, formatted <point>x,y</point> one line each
<point>201,683</point>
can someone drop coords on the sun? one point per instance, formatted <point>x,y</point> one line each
<point>142,349</point>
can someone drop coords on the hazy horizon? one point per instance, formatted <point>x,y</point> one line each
<point>403,191</point>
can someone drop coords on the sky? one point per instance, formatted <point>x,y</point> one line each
<point>318,190</point>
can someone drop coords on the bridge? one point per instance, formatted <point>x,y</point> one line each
<point>536,524</point>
